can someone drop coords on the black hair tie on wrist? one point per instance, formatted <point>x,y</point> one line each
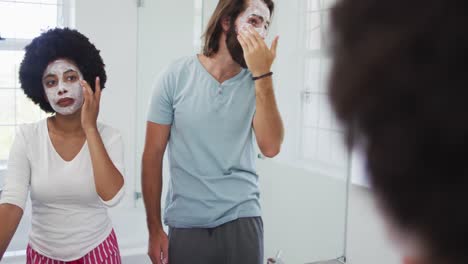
<point>262,76</point>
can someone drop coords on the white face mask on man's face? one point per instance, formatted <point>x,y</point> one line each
<point>257,15</point>
<point>61,82</point>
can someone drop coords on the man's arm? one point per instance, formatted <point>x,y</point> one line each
<point>156,141</point>
<point>267,122</point>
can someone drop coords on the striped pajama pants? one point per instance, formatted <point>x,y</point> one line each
<point>106,253</point>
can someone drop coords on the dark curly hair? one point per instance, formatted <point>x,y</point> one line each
<point>58,44</point>
<point>399,85</point>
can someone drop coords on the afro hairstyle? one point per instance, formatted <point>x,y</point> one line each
<point>58,43</point>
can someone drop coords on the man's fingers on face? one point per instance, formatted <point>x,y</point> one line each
<point>251,35</point>
<point>249,39</point>
<point>242,42</point>
<point>274,45</point>
<point>255,37</point>
<point>247,43</point>
<point>255,33</point>
<point>259,39</point>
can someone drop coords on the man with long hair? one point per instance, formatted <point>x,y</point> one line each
<point>208,108</point>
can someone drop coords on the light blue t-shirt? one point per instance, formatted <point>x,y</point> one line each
<point>213,179</point>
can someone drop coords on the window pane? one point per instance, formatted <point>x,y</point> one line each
<point>317,146</point>
<point>13,24</point>
<point>198,4</point>
<point>326,33</point>
<point>339,153</point>
<point>310,144</point>
<point>314,39</point>
<point>9,68</point>
<point>313,5</point>
<point>324,142</point>
<point>313,20</point>
<point>325,70</point>
<point>26,110</point>
<point>312,74</point>
<point>7,107</point>
<point>325,149</point>
<point>7,134</point>
<point>311,110</point>
<point>316,5</point>
<point>53,2</point>
<point>325,112</point>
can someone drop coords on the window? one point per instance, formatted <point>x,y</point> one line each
<point>322,145</point>
<point>20,22</point>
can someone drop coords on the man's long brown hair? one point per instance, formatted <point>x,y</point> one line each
<point>225,8</point>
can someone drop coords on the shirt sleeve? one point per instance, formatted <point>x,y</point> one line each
<point>115,150</point>
<point>18,176</point>
<point>161,110</point>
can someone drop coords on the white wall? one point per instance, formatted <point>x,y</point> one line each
<point>367,239</point>
<point>303,213</point>
<point>165,34</point>
<point>112,27</point>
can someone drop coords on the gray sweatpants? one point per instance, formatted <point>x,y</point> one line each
<point>236,242</point>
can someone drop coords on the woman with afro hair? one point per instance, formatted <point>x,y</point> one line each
<point>71,164</point>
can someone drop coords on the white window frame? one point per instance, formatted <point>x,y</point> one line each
<point>65,18</point>
<point>320,54</point>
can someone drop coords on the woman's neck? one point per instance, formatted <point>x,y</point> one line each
<point>66,124</point>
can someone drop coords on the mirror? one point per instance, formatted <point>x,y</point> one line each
<point>303,190</point>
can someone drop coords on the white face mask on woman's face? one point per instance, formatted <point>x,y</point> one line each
<point>61,82</point>
<point>257,15</point>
